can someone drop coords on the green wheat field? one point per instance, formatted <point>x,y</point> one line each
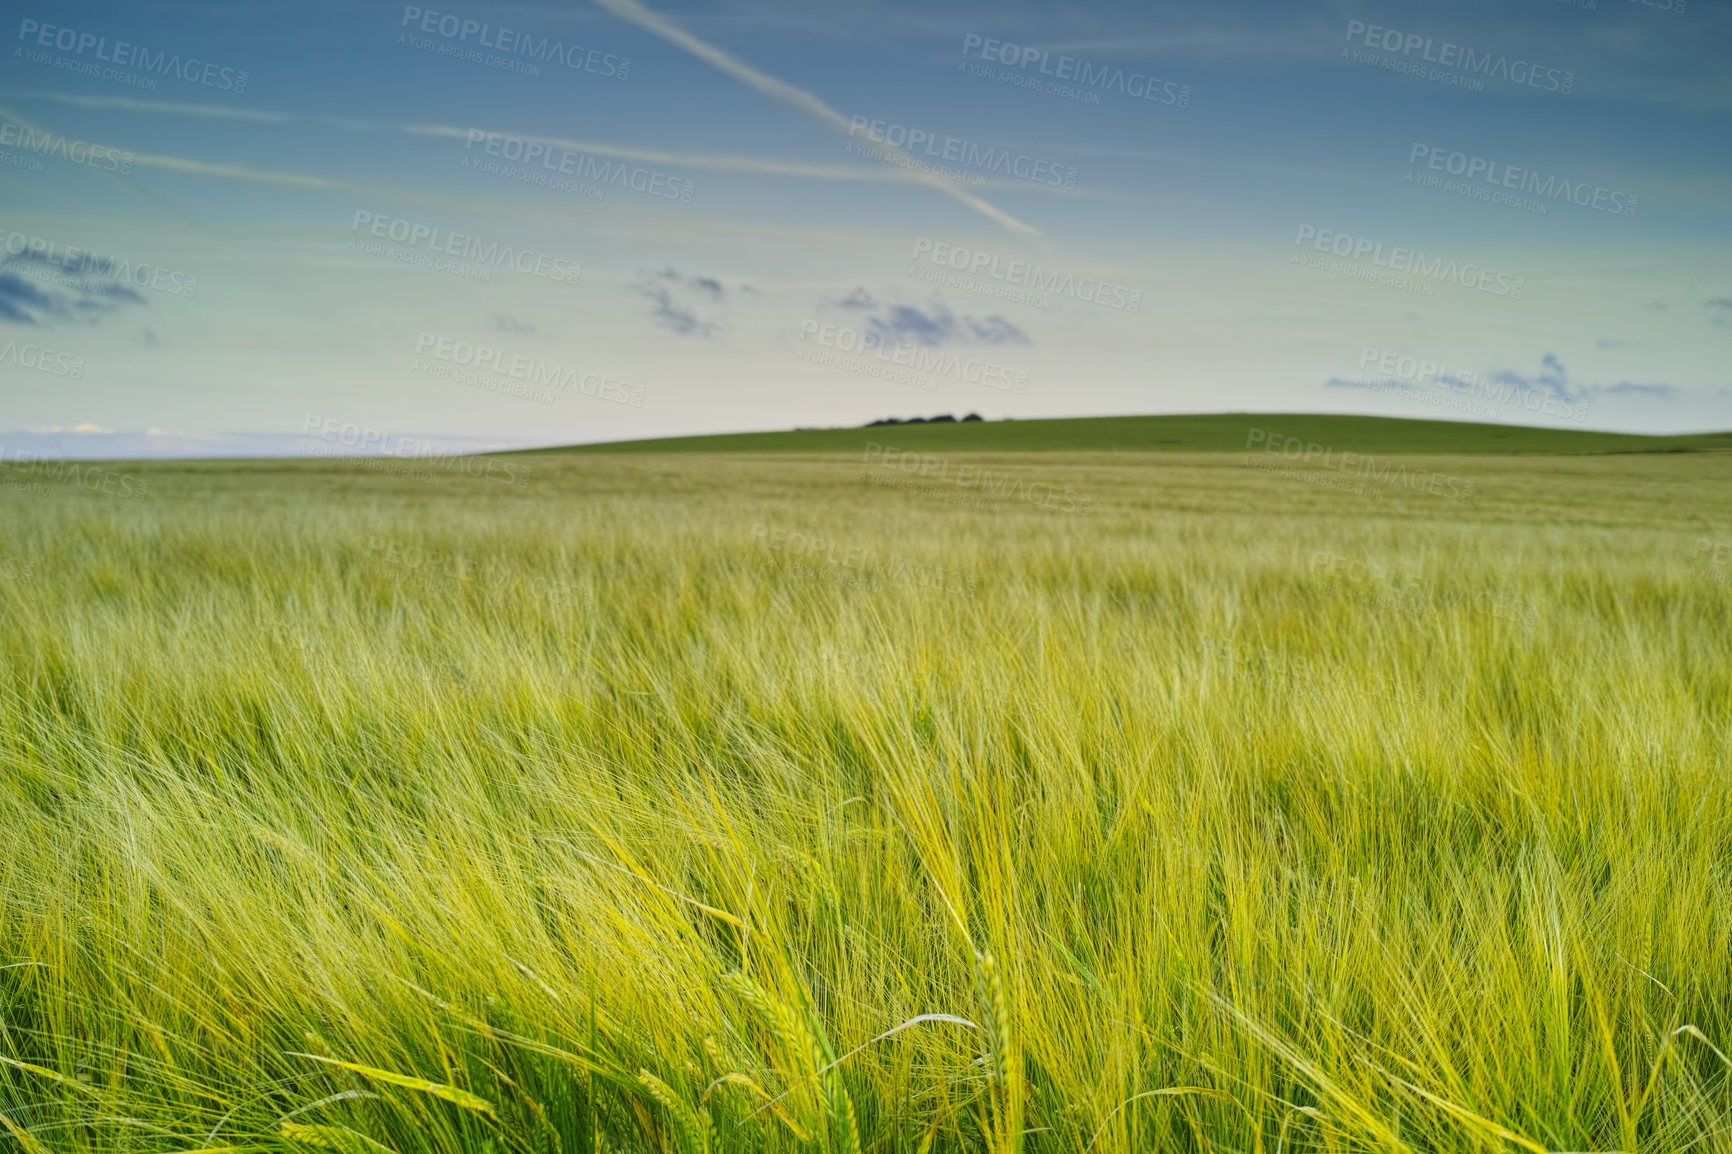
<point>812,801</point>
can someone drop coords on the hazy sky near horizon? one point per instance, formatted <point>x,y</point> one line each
<point>246,228</point>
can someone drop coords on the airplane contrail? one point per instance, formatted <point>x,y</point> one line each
<point>705,161</point>
<point>800,100</point>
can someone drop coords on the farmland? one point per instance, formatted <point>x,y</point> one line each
<point>1044,799</point>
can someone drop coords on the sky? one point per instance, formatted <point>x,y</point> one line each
<point>333,227</point>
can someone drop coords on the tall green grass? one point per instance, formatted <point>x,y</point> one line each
<point>345,813</point>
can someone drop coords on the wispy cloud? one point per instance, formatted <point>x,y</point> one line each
<point>80,290</point>
<point>1630,389</point>
<point>1553,380</point>
<point>935,325</point>
<point>701,161</point>
<point>204,168</point>
<point>686,305</point>
<point>134,104</point>
<point>22,302</point>
<point>734,162</point>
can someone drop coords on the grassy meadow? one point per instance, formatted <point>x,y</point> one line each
<point>1057,801</point>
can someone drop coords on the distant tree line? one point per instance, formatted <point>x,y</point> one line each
<point>942,418</point>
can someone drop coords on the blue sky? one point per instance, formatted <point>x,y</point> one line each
<point>405,226</point>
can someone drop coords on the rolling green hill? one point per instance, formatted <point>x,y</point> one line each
<point>1206,432</point>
